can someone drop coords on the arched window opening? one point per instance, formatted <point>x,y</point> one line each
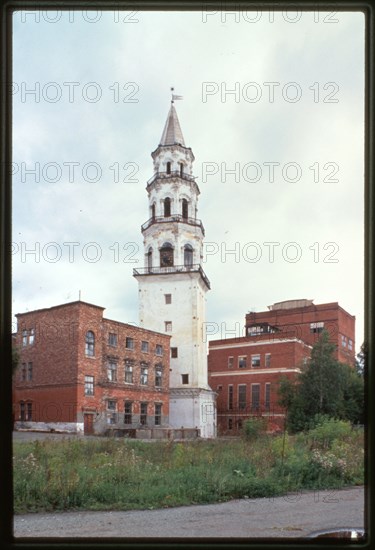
<point>167,207</point>
<point>185,209</point>
<point>168,167</point>
<point>90,343</point>
<point>153,211</point>
<point>149,258</point>
<point>188,255</point>
<point>181,169</point>
<point>166,255</point>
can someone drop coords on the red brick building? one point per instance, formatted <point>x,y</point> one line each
<point>307,321</point>
<point>79,371</point>
<point>246,371</point>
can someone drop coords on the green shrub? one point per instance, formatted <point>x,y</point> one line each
<point>326,430</point>
<point>254,427</point>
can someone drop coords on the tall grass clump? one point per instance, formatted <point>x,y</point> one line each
<point>119,474</point>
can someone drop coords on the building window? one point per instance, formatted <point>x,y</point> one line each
<point>29,411</point>
<point>89,385</point>
<point>143,415</point>
<point>230,362</point>
<point>188,255</point>
<point>255,397</point>
<point>24,337</point>
<point>112,371</point>
<point>168,167</point>
<point>144,374</point>
<point>267,396</point>
<point>350,344</point>
<point>167,207</point>
<point>128,412</point>
<point>158,376</point>
<point>29,371</point>
<point>144,346</point>
<point>185,209</point>
<point>185,378</point>
<point>31,336</point>
<point>22,411</point>
<point>242,361</point>
<point>149,258</point>
<point>112,411</point>
<point>23,372</point>
<point>159,349</point>
<point>90,343</point>
<point>112,339</point>
<point>128,371</point>
<point>166,255</point>
<point>316,327</point>
<point>28,337</point>
<point>174,353</point>
<point>153,211</point>
<point>168,326</point>
<point>343,341</point>
<point>255,360</point>
<point>267,360</point>
<point>230,423</point>
<point>242,396</point>
<point>158,414</point>
<point>111,405</point>
<point>181,171</point>
<point>230,397</point>
<point>129,343</point>
<point>168,298</point>
<point>239,424</point>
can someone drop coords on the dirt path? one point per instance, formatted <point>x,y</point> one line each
<point>294,515</point>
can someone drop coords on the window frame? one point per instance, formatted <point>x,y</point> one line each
<point>230,397</point>
<point>144,374</point>
<point>90,344</point>
<point>112,339</point>
<point>158,376</point>
<point>242,397</point>
<point>143,413</point>
<point>129,371</point>
<point>89,384</point>
<point>128,412</point>
<point>158,413</point>
<point>255,408</point>
<point>240,359</point>
<point>129,340</point>
<point>253,360</point>
<point>112,369</point>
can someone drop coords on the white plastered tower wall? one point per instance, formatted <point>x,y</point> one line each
<point>172,284</point>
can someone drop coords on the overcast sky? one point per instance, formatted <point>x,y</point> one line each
<point>292,130</point>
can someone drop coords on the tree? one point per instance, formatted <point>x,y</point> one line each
<point>324,387</point>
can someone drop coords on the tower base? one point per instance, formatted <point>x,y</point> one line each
<point>193,408</point>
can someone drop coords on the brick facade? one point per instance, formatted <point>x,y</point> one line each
<point>246,371</point>
<point>307,320</point>
<point>72,371</point>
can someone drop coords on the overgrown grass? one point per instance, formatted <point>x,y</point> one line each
<point>123,474</point>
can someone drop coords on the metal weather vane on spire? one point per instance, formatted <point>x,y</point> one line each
<point>175,97</point>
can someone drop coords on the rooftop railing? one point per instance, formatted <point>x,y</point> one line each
<point>173,269</point>
<point>172,173</point>
<point>175,218</point>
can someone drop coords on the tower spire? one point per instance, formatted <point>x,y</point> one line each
<point>172,133</point>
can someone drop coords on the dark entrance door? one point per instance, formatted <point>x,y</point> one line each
<point>88,424</point>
